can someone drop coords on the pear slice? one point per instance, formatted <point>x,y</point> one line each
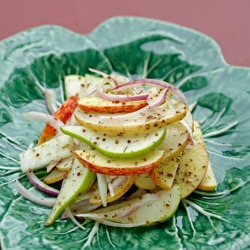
<point>81,86</point>
<point>97,104</point>
<point>192,169</point>
<point>53,150</point>
<point>65,164</point>
<point>118,145</point>
<point>103,164</point>
<point>73,84</point>
<point>54,176</point>
<point>116,123</point>
<point>147,209</point>
<point>119,190</point>
<point>164,174</point>
<point>144,181</point>
<point>209,182</point>
<point>78,181</point>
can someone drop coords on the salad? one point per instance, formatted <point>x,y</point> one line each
<point>122,152</point>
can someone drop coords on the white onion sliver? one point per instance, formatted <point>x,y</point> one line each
<point>155,82</point>
<point>189,129</point>
<point>50,119</point>
<point>102,186</point>
<point>119,181</point>
<point>98,72</point>
<point>50,166</point>
<point>98,218</point>
<point>50,101</point>
<point>48,202</point>
<point>147,198</point>
<point>104,75</point>
<point>110,186</point>
<point>71,216</point>
<point>41,185</point>
<point>120,98</point>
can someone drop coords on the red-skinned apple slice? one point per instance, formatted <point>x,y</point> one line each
<point>63,113</point>
<point>102,164</point>
<point>97,104</point>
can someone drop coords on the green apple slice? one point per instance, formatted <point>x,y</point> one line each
<point>147,209</point>
<point>103,164</point>
<point>192,169</point>
<point>78,181</point>
<point>118,145</point>
<point>108,122</point>
<point>53,150</point>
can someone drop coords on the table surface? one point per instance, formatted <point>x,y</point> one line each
<point>225,21</point>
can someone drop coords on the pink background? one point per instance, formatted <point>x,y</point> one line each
<point>227,21</point>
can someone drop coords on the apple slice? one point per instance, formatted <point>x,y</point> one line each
<point>118,145</point>
<point>53,150</point>
<point>209,182</point>
<point>119,190</point>
<point>192,169</point>
<point>197,134</point>
<point>78,181</point>
<point>63,113</point>
<point>103,164</point>
<point>144,181</point>
<point>175,141</point>
<point>164,174</point>
<point>147,209</point>
<point>97,104</point>
<point>156,118</point>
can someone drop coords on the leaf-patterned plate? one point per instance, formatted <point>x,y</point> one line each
<point>134,47</point>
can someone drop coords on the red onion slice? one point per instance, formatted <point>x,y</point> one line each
<point>155,82</point>
<point>48,202</point>
<point>50,119</point>
<point>157,102</point>
<point>41,185</point>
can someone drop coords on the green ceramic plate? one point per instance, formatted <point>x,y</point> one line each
<point>135,47</point>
